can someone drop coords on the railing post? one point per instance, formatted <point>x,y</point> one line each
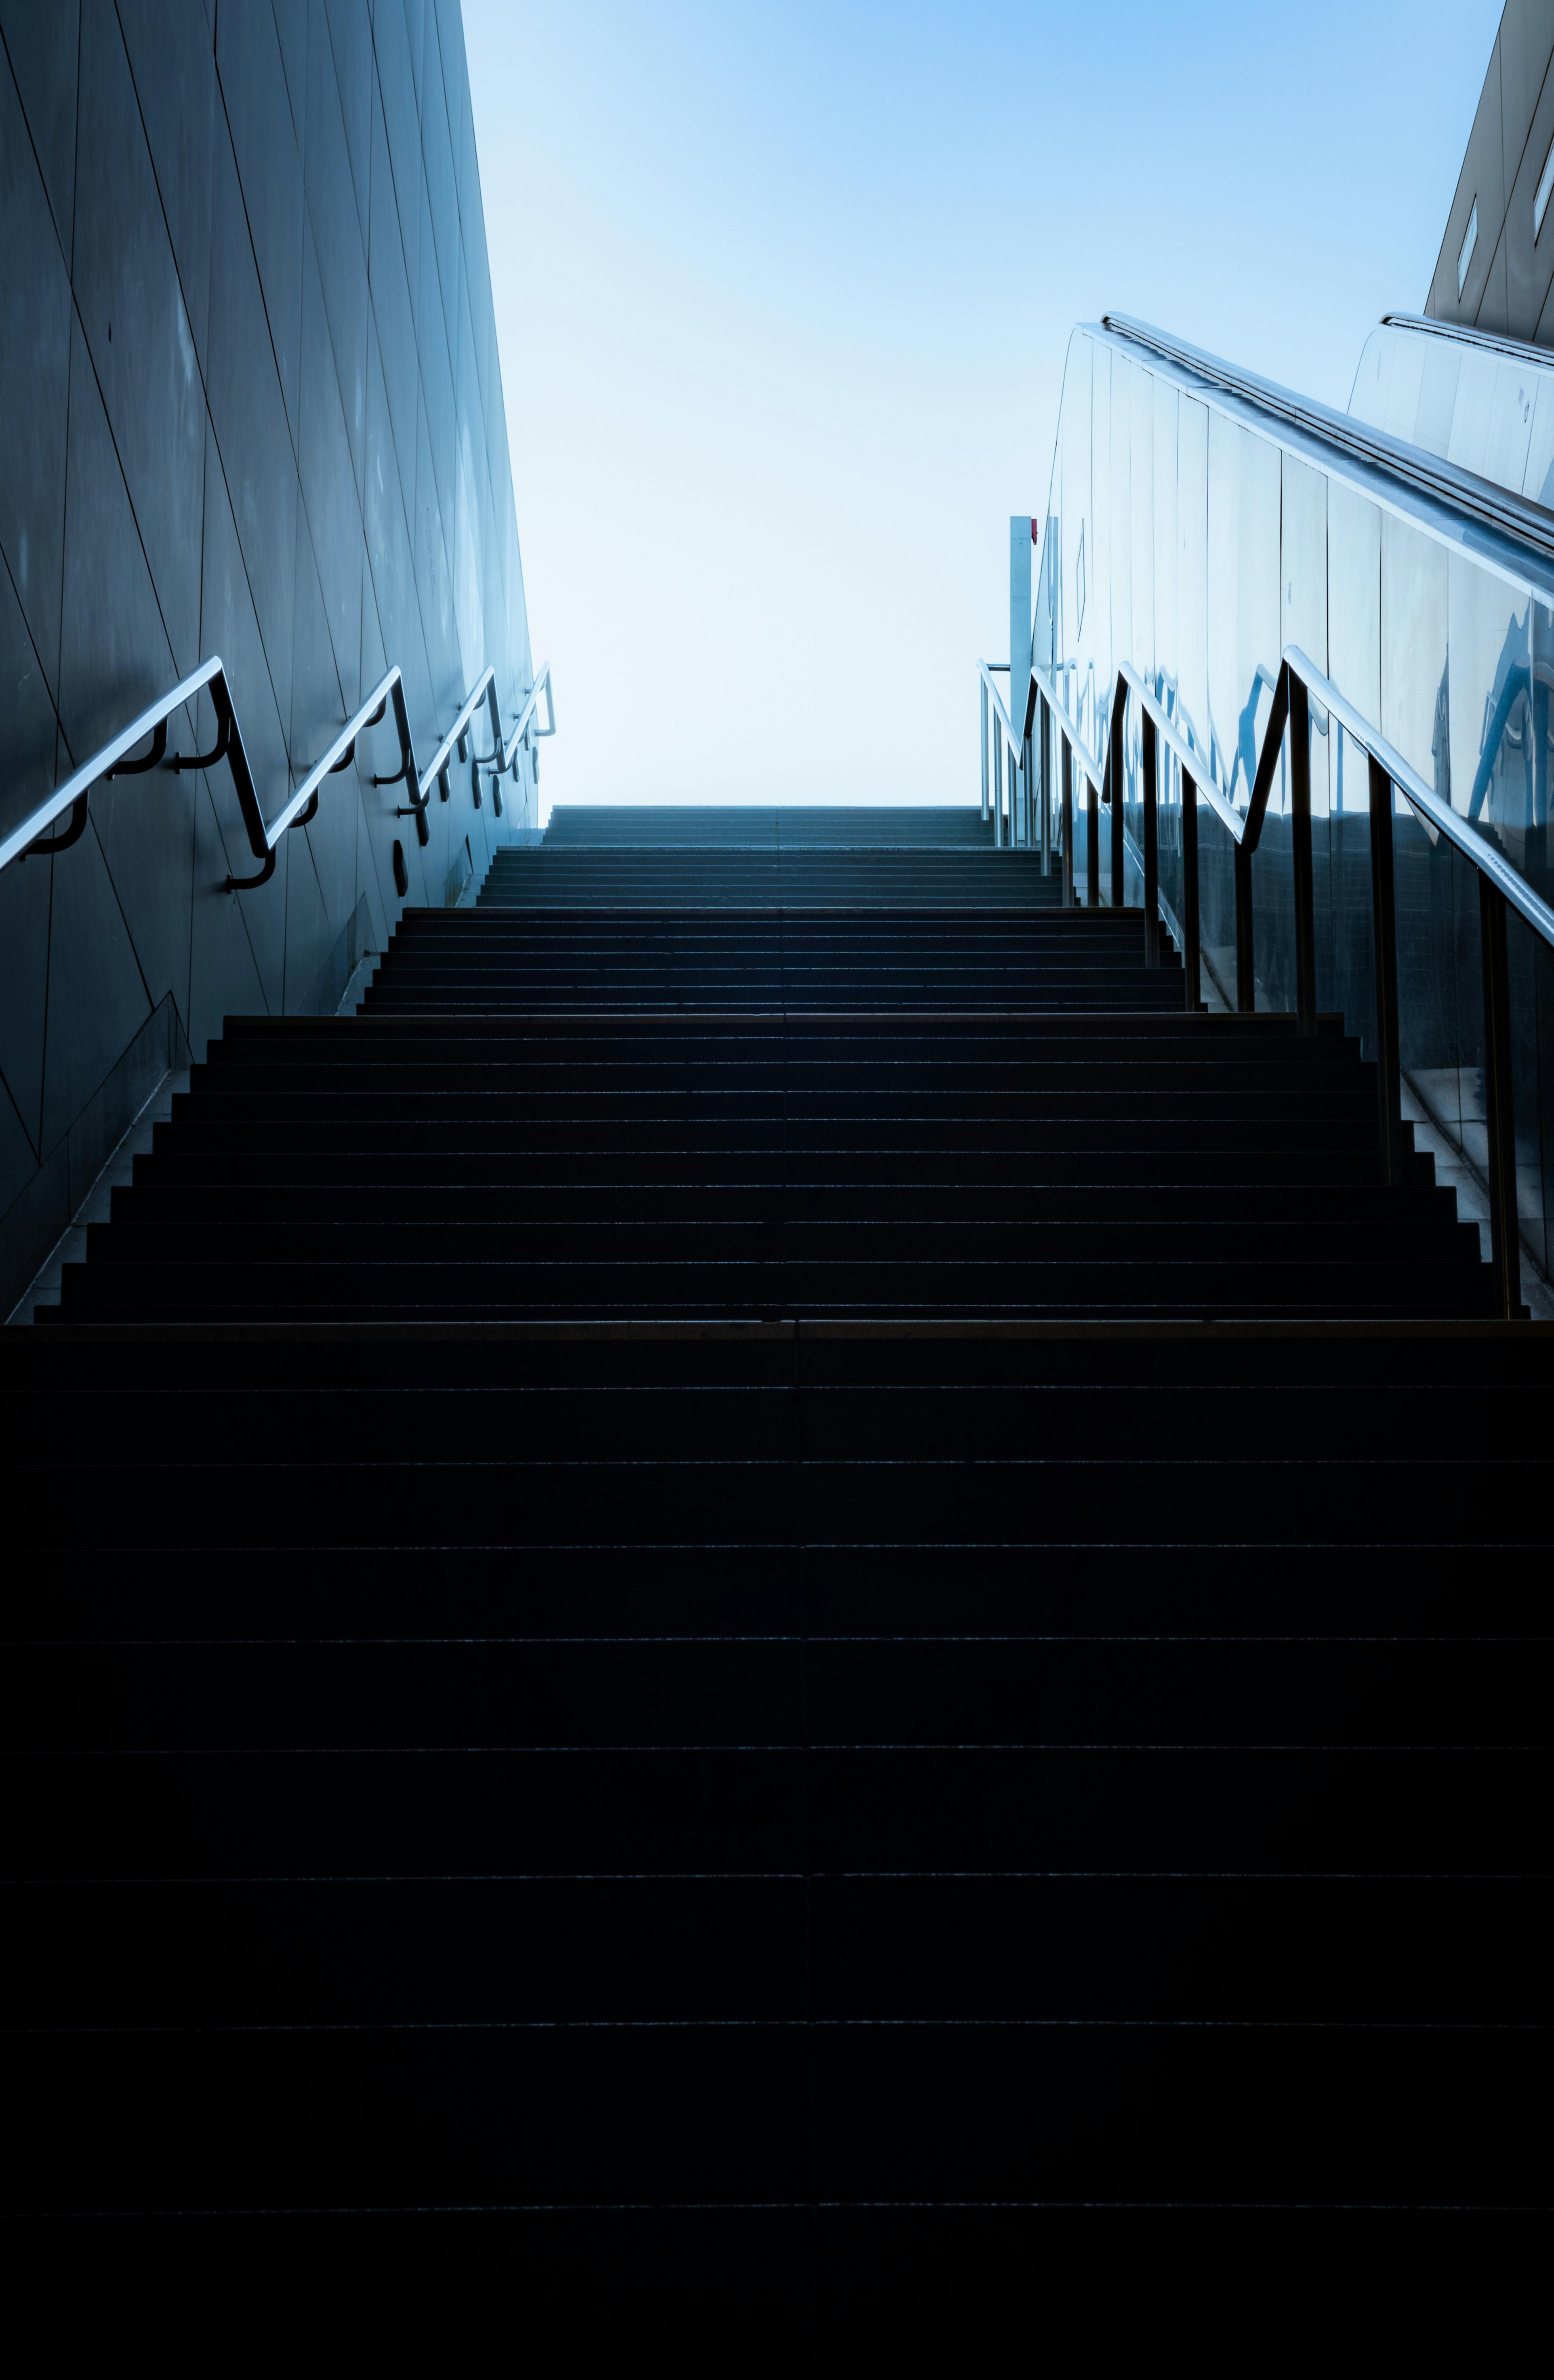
<point>1498,1114</point>
<point>1068,825</point>
<point>1151,849</point>
<point>1245,981</point>
<point>1190,892</point>
<point>998,787</point>
<point>982,686</point>
<point>1114,786</point>
<point>1045,782</point>
<point>1028,803</point>
<point>1384,942</point>
<point>1300,857</point>
<point>1092,843</point>
<point>1022,552</point>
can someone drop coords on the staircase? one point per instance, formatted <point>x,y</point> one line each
<point>762,1566</point>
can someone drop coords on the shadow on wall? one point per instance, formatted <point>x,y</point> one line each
<point>250,404</point>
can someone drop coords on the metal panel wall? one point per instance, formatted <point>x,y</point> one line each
<point>1507,275</point>
<point>250,404</point>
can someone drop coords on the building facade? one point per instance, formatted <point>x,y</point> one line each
<point>250,404</point>
<point>1495,272</point>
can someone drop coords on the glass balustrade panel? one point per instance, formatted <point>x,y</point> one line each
<point>1195,542</point>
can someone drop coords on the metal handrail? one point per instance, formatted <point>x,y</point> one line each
<point>1245,826</point>
<point>31,837</point>
<point>507,746</point>
<point>1001,715</point>
<point>1467,334</point>
<point>1192,764</point>
<point>1503,512</point>
<point>542,686</point>
<point>303,805</point>
<point>484,690</point>
<point>1423,798</point>
<point>1005,739</point>
<point>110,762</point>
<point>1047,685</point>
<point>1298,684</point>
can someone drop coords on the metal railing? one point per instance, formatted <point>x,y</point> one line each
<point>1006,748</point>
<point>484,690</point>
<point>1298,684</point>
<point>1500,510</point>
<point>118,758</point>
<point>522,732</point>
<point>501,761</point>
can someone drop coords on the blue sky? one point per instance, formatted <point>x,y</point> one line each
<point>783,293</point>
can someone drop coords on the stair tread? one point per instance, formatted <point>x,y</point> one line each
<point>841,1538</point>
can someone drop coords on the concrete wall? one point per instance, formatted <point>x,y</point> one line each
<point>250,403</point>
<point>1510,284</point>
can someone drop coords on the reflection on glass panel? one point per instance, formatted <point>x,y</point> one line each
<point>1120,471</point>
<point>1511,424</point>
<point>1414,716</point>
<point>1304,621</point>
<point>1355,666</point>
<point>1532,980</point>
<point>1531,971</point>
<point>1167,638</point>
<point>1367,400</point>
<point>1257,651</point>
<point>1256,605</point>
<point>1413,610</point>
<point>1097,648</point>
<point>1075,498</point>
<point>1497,767</point>
<point>1537,480</point>
<point>1141,474</point>
<point>1437,394</point>
<point>1440,989</point>
<point>1224,691</point>
<point>1192,569</point>
<point>1354,597</point>
<point>1303,559</point>
<point>1169,813</point>
<point>1197,549</point>
<point>1491,413</point>
<point>1400,416</point>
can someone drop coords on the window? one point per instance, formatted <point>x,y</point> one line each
<point>1465,254</point>
<point>1540,196</point>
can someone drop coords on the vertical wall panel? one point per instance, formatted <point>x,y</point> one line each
<point>338,254</point>
<point>175,74</point>
<point>138,331</point>
<point>264,141</point>
<point>34,381</point>
<point>253,438</point>
<point>41,38</point>
<point>24,959</point>
<point>328,478</point>
<point>95,985</point>
<point>350,46</point>
<point>231,628</point>
<point>114,655</point>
